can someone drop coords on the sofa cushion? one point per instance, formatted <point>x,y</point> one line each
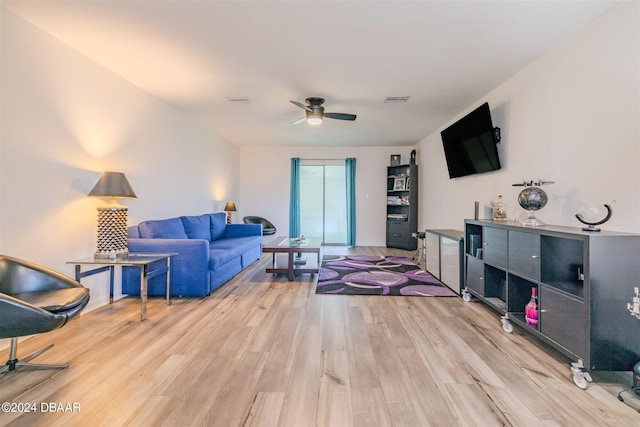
<point>219,257</point>
<point>162,229</point>
<point>197,227</point>
<point>218,224</point>
<point>223,250</point>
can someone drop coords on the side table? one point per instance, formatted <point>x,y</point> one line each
<point>142,260</point>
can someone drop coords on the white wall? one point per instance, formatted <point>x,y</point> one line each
<point>265,182</point>
<point>65,119</point>
<point>572,117</point>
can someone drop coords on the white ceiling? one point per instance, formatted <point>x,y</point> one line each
<point>195,55</point>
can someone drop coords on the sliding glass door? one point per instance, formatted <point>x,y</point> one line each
<point>323,201</point>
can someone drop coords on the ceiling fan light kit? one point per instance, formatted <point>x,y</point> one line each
<point>314,118</point>
<point>315,112</point>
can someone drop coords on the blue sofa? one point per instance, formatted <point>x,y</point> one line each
<point>210,252</point>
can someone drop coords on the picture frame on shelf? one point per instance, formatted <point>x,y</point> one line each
<point>395,160</point>
<point>399,184</point>
<point>407,185</point>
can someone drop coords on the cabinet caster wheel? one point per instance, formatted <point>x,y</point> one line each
<point>581,378</point>
<point>580,381</point>
<point>507,326</point>
<point>466,296</point>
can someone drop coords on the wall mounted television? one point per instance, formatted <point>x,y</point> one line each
<point>470,144</point>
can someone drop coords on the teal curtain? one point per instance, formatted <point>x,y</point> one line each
<point>294,199</point>
<point>350,169</point>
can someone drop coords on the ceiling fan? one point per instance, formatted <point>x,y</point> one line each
<point>315,112</point>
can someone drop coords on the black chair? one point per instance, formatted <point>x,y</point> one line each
<point>33,300</point>
<point>267,228</point>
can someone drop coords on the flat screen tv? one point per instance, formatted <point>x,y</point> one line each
<point>470,144</point>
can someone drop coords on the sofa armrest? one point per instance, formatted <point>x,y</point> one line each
<point>242,230</point>
<point>189,269</point>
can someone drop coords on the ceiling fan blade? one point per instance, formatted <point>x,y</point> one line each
<point>300,120</point>
<point>304,107</point>
<point>340,116</point>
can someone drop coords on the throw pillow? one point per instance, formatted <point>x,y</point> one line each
<point>197,227</point>
<point>218,225</point>
<point>162,229</point>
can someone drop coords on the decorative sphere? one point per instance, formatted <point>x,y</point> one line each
<point>532,198</point>
<point>592,212</point>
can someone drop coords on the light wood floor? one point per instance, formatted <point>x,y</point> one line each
<point>262,351</point>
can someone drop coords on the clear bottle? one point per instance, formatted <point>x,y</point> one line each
<point>531,309</point>
<point>499,210</point>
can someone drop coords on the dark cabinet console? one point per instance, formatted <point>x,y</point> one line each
<point>583,281</point>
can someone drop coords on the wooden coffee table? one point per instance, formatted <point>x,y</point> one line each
<point>288,259</point>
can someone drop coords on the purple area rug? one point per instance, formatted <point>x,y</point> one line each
<point>377,275</point>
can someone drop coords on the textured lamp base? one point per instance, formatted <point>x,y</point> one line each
<point>112,232</point>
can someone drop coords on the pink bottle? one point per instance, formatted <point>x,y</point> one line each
<point>531,309</point>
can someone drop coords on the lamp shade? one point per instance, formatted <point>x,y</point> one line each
<point>230,207</point>
<point>112,184</point>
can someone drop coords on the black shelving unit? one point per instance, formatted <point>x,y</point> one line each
<point>583,281</point>
<point>402,206</point>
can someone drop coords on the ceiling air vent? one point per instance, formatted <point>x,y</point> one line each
<point>238,100</point>
<point>396,99</point>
